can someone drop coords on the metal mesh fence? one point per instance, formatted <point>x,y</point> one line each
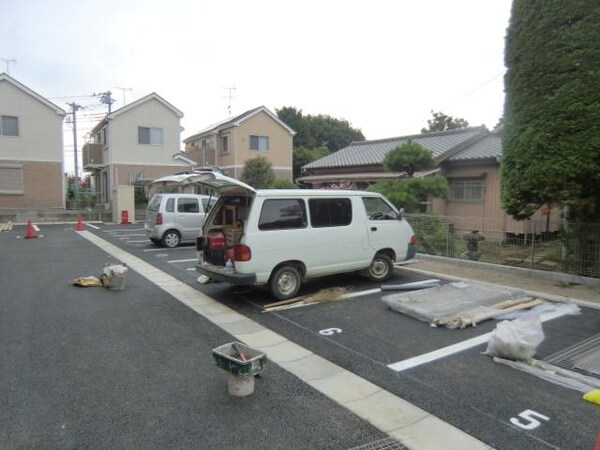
<point>565,247</point>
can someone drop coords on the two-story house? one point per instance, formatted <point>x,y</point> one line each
<point>229,143</point>
<point>31,149</point>
<point>132,144</point>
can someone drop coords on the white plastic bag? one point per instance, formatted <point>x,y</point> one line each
<point>516,339</point>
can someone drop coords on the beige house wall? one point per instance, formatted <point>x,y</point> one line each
<point>122,172</point>
<point>232,162</point>
<point>38,191</point>
<point>488,215</point>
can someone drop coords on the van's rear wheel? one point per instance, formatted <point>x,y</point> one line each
<point>285,282</point>
<point>171,239</point>
<point>381,268</point>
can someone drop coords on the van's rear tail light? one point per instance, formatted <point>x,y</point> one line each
<point>413,240</point>
<point>159,219</point>
<point>242,253</point>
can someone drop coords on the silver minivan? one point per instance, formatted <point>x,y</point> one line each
<point>173,219</point>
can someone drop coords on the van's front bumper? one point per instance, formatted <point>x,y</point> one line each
<point>220,273</point>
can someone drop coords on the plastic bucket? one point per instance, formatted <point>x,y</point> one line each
<point>239,386</point>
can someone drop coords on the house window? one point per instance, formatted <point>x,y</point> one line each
<point>134,176</point>
<point>205,143</point>
<point>224,144</point>
<point>150,136</point>
<point>103,137</point>
<point>466,190</point>
<point>11,179</point>
<point>260,143</point>
<point>9,126</point>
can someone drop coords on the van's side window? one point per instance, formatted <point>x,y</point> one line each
<point>170,206</point>
<point>188,205</point>
<point>279,214</point>
<point>379,209</point>
<point>330,212</point>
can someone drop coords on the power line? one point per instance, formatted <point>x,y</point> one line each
<point>473,90</point>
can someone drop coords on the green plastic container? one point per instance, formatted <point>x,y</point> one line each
<point>227,357</point>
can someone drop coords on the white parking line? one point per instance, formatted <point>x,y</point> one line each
<point>93,226</point>
<point>163,249</point>
<point>122,231</point>
<point>456,348</point>
<point>181,260</point>
<point>144,240</point>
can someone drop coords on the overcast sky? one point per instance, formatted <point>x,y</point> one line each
<point>381,65</point>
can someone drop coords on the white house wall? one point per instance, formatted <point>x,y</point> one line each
<point>40,128</point>
<point>123,135</point>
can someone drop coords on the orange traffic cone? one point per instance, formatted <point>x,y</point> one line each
<point>30,231</point>
<point>79,226</point>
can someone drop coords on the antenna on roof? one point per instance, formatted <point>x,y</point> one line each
<point>8,62</point>
<point>230,96</point>
<point>124,89</point>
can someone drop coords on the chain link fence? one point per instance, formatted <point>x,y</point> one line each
<point>543,245</point>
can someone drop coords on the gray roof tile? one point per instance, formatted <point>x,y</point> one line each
<point>488,147</point>
<point>365,153</point>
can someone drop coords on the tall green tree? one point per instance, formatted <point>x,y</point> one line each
<point>305,155</point>
<point>443,122</point>
<point>409,193</point>
<point>258,173</point>
<point>551,139</point>
<point>319,131</point>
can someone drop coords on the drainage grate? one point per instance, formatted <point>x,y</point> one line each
<point>383,444</point>
<point>583,357</point>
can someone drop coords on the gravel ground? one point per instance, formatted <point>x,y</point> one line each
<point>522,281</point>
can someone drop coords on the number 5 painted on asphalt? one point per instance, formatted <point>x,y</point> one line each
<point>530,422</point>
<point>330,331</point>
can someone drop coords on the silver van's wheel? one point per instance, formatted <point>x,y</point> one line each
<point>285,282</point>
<point>381,268</point>
<point>171,238</point>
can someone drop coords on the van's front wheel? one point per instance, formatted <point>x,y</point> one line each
<point>381,268</point>
<point>285,282</point>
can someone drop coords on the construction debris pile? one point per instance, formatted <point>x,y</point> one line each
<point>112,277</point>
<point>6,226</point>
<point>460,304</point>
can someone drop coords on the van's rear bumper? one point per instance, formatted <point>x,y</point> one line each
<point>412,252</point>
<point>220,273</point>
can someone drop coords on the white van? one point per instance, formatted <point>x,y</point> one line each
<point>173,219</point>
<point>280,237</point>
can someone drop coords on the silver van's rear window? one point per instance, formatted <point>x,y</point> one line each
<point>154,203</point>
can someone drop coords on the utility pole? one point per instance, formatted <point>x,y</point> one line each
<point>105,98</point>
<point>8,62</point>
<point>74,107</point>
<point>123,89</point>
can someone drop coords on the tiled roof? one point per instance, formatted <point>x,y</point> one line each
<point>488,147</point>
<point>364,153</point>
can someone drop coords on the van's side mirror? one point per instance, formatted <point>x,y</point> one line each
<point>402,213</point>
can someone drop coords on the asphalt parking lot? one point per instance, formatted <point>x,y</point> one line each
<point>90,367</point>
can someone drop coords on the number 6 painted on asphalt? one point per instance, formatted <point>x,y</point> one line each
<point>330,331</point>
<point>531,423</point>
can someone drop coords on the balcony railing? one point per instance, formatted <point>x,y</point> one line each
<point>92,155</point>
